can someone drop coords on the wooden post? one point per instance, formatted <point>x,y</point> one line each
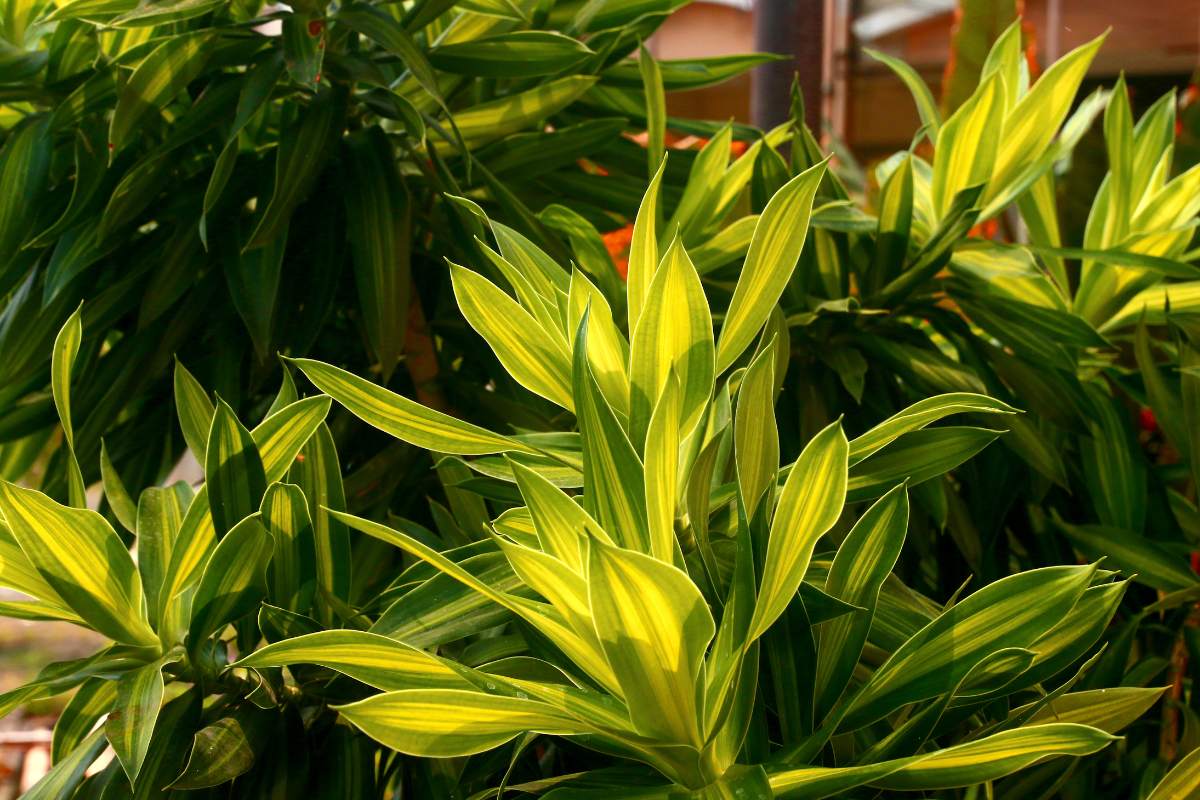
<point>793,28</point>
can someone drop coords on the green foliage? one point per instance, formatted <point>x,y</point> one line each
<point>704,534</point>
<point>220,192</point>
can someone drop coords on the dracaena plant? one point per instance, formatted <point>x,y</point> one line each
<point>915,293</point>
<point>222,192</point>
<point>649,595</point>
<point>206,558</point>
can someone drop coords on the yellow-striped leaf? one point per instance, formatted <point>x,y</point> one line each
<point>755,434</point>
<point>726,247</point>
<point>654,626</point>
<point>368,657</point>
<point>278,439</point>
<point>522,54</point>
<point>557,519</point>
<point>543,308</point>
<point>234,580</point>
<point>675,329</point>
<point>442,723</point>
<point>917,457</point>
<point>292,574</point>
<point>927,108</point>
<point>281,435</point>
<point>1182,782</point>
<point>486,122</point>
<point>233,469</point>
<point>774,251</point>
<point>967,144</point>
<point>443,609</point>
<point>135,712</point>
<point>66,349</point>
<point>662,473</point>
<point>315,468</point>
<point>160,514</point>
<point>544,618</point>
<point>18,572</point>
<point>860,567</point>
<point>564,588</point>
<point>612,472</point>
<point>195,411</point>
<point>702,191</point>
<point>643,250</point>
<point>378,214</point>
<point>1013,612</point>
<point>546,276</point>
<point>966,764</point>
<point>523,347</point>
<point>404,418</point>
<point>608,351</point>
<point>1142,559</point>
<point>62,780</point>
<point>91,701</point>
<point>809,504</point>
<point>920,414</point>
<point>656,110</point>
<point>303,150</point>
<point>1032,123</point>
<point>81,557</point>
<point>118,497</point>
<point>1110,710</point>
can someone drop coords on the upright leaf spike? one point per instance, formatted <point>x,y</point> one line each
<point>66,349</point>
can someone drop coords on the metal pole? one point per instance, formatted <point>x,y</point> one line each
<point>792,28</point>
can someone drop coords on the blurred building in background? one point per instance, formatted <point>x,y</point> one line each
<point>861,102</point>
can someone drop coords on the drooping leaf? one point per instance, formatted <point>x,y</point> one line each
<point>368,657</point>
<point>521,54</point>
<point>404,418</point>
<point>1010,613</point>
<point>378,213</point>
<point>443,722</point>
<point>227,748</point>
<point>303,150</point>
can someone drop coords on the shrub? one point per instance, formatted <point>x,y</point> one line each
<point>223,195</point>
<point>630,589</point>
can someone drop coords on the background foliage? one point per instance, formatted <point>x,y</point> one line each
<point>205,159</point>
